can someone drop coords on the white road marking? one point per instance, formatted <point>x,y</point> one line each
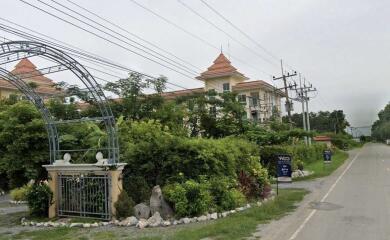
<point>295,234</point>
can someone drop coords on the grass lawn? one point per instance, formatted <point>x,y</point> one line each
<point>321,170</point>
<point>236,226</point>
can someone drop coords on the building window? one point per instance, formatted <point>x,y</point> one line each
<point>213,111</point>
<point>226,87</point>
<point>242,98</point>
<point>254,99</point>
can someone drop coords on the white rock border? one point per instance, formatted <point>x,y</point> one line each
<point>143,223</point>
<point>17,202</point>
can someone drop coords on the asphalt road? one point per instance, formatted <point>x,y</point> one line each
<point>351,204</point>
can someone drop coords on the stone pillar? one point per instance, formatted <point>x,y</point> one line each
<point>116,188</point>
<point>53,178</point>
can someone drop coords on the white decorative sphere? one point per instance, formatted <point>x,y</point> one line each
<point>99,156</point>
<point>67,157</point>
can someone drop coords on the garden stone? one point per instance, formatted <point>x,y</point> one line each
<point>232,211</point>
<point>258,203</point>
<point>142,211</point>
<point>86,225</point>
<point>175,222</point>
<point>224,214</point>
<point>46,224</point>
<point>239,209</point>
<point>142,223</point>
<point>158,203</point>
<point>185,220</point>
<point>95,224</point>
<point>202,218</point>
<point>166,223</point>
<point>131,221</point>
<point>155,220</point>
<point>52,224</point>
<point>76,225</point>
<point>105,223</point>
<point>208,216</point>
<point>214,216</point>
<point>63,224</point>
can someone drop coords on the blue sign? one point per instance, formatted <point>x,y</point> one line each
<point>327,156</point>
<point>284,170</point>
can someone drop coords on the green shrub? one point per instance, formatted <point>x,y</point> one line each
<point>39,198</point>
<point>124,205</point>
<point>343,141</point>
<point>199,197</point>
<point>299,164</point>
<point>190,198</point>
<point>136,187</point>
<point>176,195</point>
<point>153,153</point>
<point>19,194</point>
<point>238,198</point>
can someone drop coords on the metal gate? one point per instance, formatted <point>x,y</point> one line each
<point>84,196</point>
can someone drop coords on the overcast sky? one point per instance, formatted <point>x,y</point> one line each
<point>341,47</point>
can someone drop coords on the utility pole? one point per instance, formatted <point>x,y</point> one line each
<point>284,77</point>
<point>300,95</point>
<point>306,98</point>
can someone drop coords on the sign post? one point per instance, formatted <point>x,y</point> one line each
<point>283,169</point>
<point>327,156</point>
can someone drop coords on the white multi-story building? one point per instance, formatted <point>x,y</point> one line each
<point>260,98</point>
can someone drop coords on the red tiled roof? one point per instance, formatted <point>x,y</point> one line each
<point>25,66</point>
<point>180,93</point>
<point>256,84</point>
<point>221,67</point>
<point>321,138</point>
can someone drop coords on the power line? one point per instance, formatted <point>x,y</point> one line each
<point>241,31</point>
<point>105,38</point>
<point>101,37</point>
<point>238,29</point>
<point>132,34</point>
<point>66,50</point>
<point>107,32</point>
<point>226,33</point>
<point>194,35</point>
<point>175,63</point>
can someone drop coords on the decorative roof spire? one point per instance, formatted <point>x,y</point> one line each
<point>221,67</point>
<point>26,64</point>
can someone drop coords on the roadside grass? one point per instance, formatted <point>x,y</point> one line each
<point>236,226</point>
<point>243,224</point>
<point>321,170</point>
<point>11,219</point>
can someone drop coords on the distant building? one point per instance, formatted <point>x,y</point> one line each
<point>259,98</point>
<point>44,86</point>
<point>323,139</point>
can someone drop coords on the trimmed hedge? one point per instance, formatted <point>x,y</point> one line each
<point>193,198</point>
<point>155,156</point>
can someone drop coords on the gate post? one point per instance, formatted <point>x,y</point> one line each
<point>53,183</point>
<point>116,186</point>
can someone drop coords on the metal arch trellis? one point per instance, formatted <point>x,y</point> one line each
<point>15,50</point>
